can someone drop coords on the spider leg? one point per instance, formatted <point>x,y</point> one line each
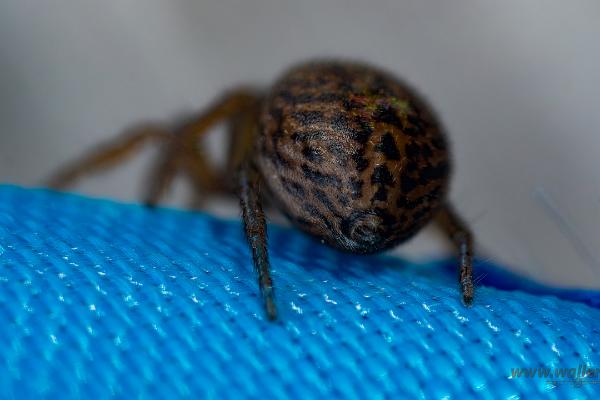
<point>462,238</point>
<point>184,152</point>
<point>202,176</point>
<point>241,108</point>
<point>248,184</point>
<point>181,151</point>
<point>161,175</point>
<point>108,155</point>
<point>192,162</point>
<point>256,232</point>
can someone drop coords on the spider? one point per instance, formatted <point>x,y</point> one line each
<point>349,153</point>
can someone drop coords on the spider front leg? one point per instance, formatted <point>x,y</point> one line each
<point>462,238</point>
<point>256,231</point>
<point>248,184</point>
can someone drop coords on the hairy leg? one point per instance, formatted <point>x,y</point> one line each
<point>247,182</point>
<point>162,174</point>
<point>248,186</point>
<point>184,154</point>
<point>108,155</point>
<point>181,154</point>
<point>462,238</point>
<point>256,232</point>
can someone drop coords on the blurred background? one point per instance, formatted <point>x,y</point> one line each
<point>516,83</point>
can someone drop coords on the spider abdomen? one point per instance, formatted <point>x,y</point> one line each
<point>352,155</point>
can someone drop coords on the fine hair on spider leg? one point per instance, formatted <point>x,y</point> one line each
<point>256,232</point>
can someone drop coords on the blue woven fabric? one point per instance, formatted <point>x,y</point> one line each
<point>99,299</point>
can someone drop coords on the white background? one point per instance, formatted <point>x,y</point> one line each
<point>517,84</point>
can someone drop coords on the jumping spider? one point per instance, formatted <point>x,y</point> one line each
<point>350,154</point>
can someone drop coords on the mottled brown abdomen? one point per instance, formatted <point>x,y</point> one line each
<point>352,155</point>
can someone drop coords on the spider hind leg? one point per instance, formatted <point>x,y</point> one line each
<point>248,184</point>
<point>256,232</point>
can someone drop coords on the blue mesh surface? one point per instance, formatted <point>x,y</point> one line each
<point>99,299</point>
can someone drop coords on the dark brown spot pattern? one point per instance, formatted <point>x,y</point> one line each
<point>352,155</point>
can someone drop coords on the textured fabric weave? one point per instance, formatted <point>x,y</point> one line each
<point>99,299</point>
